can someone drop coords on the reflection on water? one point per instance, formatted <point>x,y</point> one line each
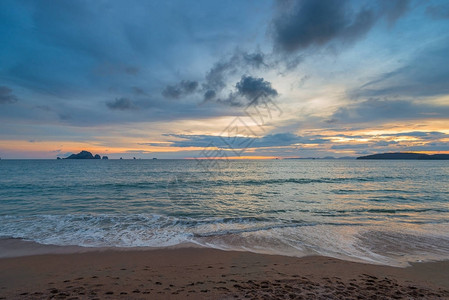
<point>379,211</point>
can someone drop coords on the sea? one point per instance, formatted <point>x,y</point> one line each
<point>390,212</point>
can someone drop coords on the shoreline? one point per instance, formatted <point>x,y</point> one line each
<point>18,247</point>
<point>205,273</point>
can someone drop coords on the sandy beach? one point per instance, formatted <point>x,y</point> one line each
<point>200,273</point>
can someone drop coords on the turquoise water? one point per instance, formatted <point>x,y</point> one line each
<point>389,212</point>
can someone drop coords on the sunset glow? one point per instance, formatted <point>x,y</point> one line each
<point>119,85</point>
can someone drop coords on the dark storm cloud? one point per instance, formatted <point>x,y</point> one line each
<point>300,24</point>
<point>252,88</point>
<point>183,88</point>
<point>303,24</point>
<point>6,95</point>
<point>249,90</point>
<point>315,23</point>
<point>217,77</point>
<point>76,57</point>
<point>120,104</point>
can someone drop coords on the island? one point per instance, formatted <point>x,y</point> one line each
<point>83,155</point>
<point>406,155</point>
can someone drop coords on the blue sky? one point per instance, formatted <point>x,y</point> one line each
<point>167,78</point>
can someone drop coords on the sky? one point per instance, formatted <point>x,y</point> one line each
<point>230,79</point>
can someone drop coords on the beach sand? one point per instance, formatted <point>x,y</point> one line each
<point>200,273</point>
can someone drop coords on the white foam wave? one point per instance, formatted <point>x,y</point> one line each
<point>354,242</point>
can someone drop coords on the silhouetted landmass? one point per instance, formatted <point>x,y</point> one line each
<point>327,157</point>
<point>83,155</point>
<point>400,155</point>
<point>105,157</point>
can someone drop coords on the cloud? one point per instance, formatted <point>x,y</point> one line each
<point>138,91</point>
<point>256,59</point>
<point>108,69</point>
<point>183,88</point>
<point>251,88</point>
<point>247,90</point>
<point>209,95</point>
<point>434,146</point>
<point>116,69</point>
<point>6,95</point>
<point>424,75</point>
<point>438,12</point>
<point>120,104</point>
<point>379,110</point>
<point>286,142</point>
<point>315,23</point>
<point>271,140</point>
<point>217,77</point>
<point>429,135</point>
<point>64,116</point>
<point>115,44</point>
<point>423,141</point>
<point>195,140</point>
<point>288,139</point>
<point>156,144</point>
<point>393,10</point>
<point>310,23</point>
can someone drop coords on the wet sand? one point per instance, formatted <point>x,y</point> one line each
<point>199,273</point>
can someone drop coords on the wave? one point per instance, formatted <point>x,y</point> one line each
<point>183,179</point>
<point>258,234</point>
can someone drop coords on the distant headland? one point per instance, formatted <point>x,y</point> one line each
<point>85,155</point>
<point>405,155</point>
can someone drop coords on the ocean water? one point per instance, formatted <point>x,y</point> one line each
<point>386,212</point>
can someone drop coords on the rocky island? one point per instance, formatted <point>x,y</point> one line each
<point>85,155</point>
<point>405,155</point>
